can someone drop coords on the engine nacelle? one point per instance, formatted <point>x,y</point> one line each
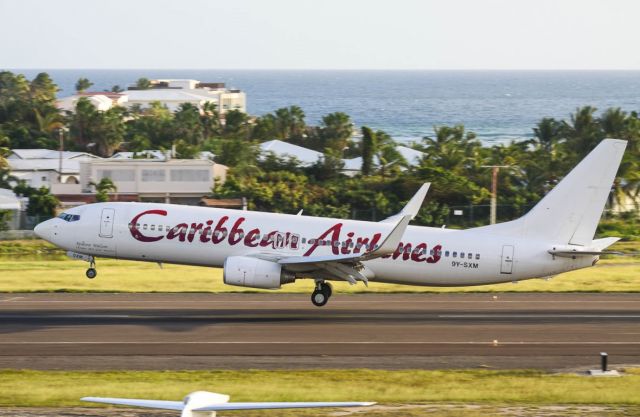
<point>245,271</point>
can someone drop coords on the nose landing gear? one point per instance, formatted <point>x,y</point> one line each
<point>91,272</point>
<point>321,294</point>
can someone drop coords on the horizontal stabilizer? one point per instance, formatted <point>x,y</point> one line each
<point>157,404</point>
<point>281,405</point>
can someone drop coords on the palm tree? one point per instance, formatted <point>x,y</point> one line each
<point>369,149</point>
<point>336,131</point>
<point>103,188</point>
<point>83,84</point>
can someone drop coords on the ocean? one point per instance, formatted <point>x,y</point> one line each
<point>498,106</point>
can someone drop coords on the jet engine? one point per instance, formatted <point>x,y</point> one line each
<point>245,271</point>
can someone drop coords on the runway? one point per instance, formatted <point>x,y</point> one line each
<point>272,331</point>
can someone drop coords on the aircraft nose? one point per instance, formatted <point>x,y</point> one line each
<point>45,230</point>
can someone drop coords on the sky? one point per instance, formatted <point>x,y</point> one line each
<point>320,34</point>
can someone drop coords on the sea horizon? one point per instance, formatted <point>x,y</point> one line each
<point>499,105</point>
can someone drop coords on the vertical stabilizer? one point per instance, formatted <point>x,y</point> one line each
<point>571,211</point>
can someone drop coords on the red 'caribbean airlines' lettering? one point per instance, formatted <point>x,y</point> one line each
<point>236,235</point>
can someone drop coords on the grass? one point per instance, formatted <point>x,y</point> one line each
<point>35,266</point>
<point>20,388</point>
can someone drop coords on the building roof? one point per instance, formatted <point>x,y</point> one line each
<point>146,154</point>
<point>170,94</point>
<point>8,200</point>
<point>412,156</point>
<point>47,154</point>
<point>288,150</point>
<point>69,166</point>
<point>156,154</point>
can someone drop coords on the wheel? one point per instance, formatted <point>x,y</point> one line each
<point>91,273</point>
<point>319,298</point>
<point>326,288</point>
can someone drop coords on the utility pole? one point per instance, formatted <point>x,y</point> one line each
<point>60,151</point>
<point>494,189</point>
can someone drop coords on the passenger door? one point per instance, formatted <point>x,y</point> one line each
<point>506,265</point>
<point>106,222</point>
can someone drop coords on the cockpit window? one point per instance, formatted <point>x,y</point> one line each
<point>69,217</point>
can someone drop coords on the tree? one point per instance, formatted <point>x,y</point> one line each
<point>42,203</point>
<point>369,148</point>
<point>236,125</point>
<point>116,89</point>
<point>83,84</point>
<point>210,120</point>
<point>187,124</point>
<point>143,84</point>
<point>103,188</point>
<point>335,131</point>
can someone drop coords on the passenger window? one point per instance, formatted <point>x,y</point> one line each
<point>462,255</point>
<point>438,253</point>
<point>455,254</point>
<point>153,227</point>
<point>304,240</point>
<point>470,255</point>
<point>431,252</point>
<point>144,227</point>
<point>477,256</point>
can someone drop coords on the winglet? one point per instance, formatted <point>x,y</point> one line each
<point>413,206</point>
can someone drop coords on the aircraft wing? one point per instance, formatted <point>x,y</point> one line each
<point>281,405</point>
<point>161,405</point>
<point>179,405</point>
<point>388,246</point>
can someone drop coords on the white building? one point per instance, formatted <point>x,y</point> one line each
<point>41,167</point>
<point>171,93</point>
<point>174,92</point>
<point>102,101</point>
<point>306,157</point>
<point>181,181</point>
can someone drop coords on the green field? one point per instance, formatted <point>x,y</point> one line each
<point>35,266</point>
<point>62,388</point>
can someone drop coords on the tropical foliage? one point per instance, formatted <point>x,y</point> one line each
<point>455,160</point>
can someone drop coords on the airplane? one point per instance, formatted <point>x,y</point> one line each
<point>205,404</point>
<point>268,250</point>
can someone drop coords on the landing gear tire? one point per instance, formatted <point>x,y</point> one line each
<point>319,298</point>
<point>321,294</point>
<point>91,273</point>
<point>326,288</point>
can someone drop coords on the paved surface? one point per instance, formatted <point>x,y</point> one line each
<point>196,331</point>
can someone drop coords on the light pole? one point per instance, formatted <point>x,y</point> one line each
<point>60,151</point>
<point>494,189</point>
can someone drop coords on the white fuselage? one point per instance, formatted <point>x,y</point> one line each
<point>206,237</point>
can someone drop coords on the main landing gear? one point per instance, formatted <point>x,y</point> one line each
<point>91,272</point>
<point>321,294</point>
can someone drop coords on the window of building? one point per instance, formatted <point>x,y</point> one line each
<point>117,174</point>
<point>153,175</point>
<point>190,175</point>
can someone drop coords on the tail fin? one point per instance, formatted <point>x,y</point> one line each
<point>569,214</point>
